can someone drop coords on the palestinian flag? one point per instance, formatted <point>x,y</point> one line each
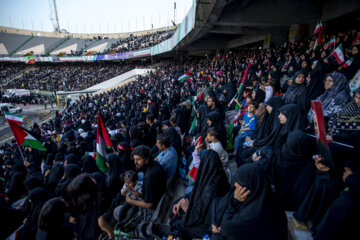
<point>91,154</point>
<point>318,28</point>
<point>195,122</point>
<point>24,137</point>
<point>14,118</point>
<point>317,42</point>
<point>330,43</point>
<point>320,130</point>
<point>339,54</point>
<point>102,143</point>
<point>240,87</point>
<point>348,62</point>
<point>184,77</point>
<point>229,133</point>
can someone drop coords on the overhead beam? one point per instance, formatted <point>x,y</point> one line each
<point>244,40</point>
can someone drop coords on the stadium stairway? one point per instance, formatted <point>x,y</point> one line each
<point>87,47</point>
<point>21,45</point>
<point>56,45</point>
<point>294,233</point>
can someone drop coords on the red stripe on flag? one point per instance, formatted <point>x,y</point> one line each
<point>104,134</point>
<point>319,122</point>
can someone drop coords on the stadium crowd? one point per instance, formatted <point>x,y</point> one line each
<point>62,193</point>
<point>66,76</point>
<point>133,43</point>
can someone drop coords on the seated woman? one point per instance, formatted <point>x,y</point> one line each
<point>336,95</point>
<point>318,199</point>
<point>37,198</point>
<point>258,97</point>
<point>345,127</point>
<point>296,89</point>
<point>249,210</point>
<point>290,119</point>
<point>269,128</point>
<point>293,170</point>
<point>191,216</point>
<point>341,220</point>
<point>51,225</point>
<point>86,207</point>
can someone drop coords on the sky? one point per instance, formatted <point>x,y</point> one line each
<point>93,16</point>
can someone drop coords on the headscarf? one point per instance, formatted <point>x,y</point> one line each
<point>313,90</point>
<point>116,167</point>
<point>125,155</point>
<point>334,98</point>
<point>259,216</point>
<point>89,165</point>
<point>71,171</point>
<point>270,126</point>
<point>38,197</point>
<point>55,175</point>
<point>293,169</point>
<point>16,186</point>
<point>210,182</point>
<point>294,121</point>
<point>203,110</point>
<point>294,118</point>
<point>295,90</point>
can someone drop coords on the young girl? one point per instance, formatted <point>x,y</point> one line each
<point>133,188</point>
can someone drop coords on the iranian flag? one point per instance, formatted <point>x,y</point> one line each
<point>317,42</point>
<point>30,60</point>
<point>102,143</point>
<point>318,27</point>
<point>330,43</point>
<point>91,154</point>
<point>14,118</point>
<point>184,77</point>
<point>320,130</point>
<point>339,54</point>
<point>23,137</point>
<point>348,62</point>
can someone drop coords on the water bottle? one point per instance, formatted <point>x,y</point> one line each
<point>206,237</point>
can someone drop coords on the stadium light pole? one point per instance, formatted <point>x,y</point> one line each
<point>174,12</point>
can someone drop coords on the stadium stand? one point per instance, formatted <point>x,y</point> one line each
<point>220,140</point>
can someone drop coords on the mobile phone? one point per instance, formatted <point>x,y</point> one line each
<point>201,140</point>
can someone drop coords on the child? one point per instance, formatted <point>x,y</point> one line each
<point>212,142</point>
<point>248,126</point>
<point>133,188</point>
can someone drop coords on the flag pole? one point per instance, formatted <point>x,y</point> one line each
<point>21,153</point>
